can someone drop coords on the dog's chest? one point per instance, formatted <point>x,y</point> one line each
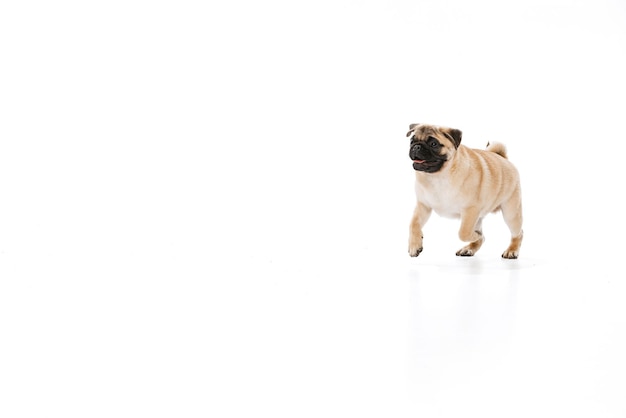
<point>440,196</point>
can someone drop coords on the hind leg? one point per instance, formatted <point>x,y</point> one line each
<point>512,214</point>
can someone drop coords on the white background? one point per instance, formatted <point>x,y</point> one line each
<point>204,209</point>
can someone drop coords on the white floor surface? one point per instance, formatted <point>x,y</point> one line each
<point>204,210</point>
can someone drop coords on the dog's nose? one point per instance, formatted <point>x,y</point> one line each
<point>415,151</point>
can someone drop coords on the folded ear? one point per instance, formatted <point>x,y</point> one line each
<point>412,128</point>
<point>454,135</point>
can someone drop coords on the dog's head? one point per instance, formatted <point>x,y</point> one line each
<point>432,146</point>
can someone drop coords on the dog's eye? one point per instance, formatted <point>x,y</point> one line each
<point>433,143</point>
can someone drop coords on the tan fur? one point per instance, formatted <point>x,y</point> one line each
<point>498,148</point>
<point>471,184</point>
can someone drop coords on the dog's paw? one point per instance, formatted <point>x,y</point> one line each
<point>465,252</point>
<point>415,251</point>
<point>510,255</point>
<point>471,249</point>
<point>415,244</point>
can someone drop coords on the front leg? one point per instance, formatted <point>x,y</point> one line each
<point>470,231</point>
<point>420,216</point>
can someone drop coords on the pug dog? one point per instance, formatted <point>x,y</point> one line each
<point>460,182</point>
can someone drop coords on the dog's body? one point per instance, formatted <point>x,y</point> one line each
<point>460,182</point>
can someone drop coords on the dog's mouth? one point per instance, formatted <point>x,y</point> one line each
<point>427,166</point>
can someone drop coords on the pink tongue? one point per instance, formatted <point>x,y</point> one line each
<point>419,161</point>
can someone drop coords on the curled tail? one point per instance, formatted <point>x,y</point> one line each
<point>498,148</point>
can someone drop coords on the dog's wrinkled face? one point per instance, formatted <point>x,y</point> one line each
<point>431,146</point>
